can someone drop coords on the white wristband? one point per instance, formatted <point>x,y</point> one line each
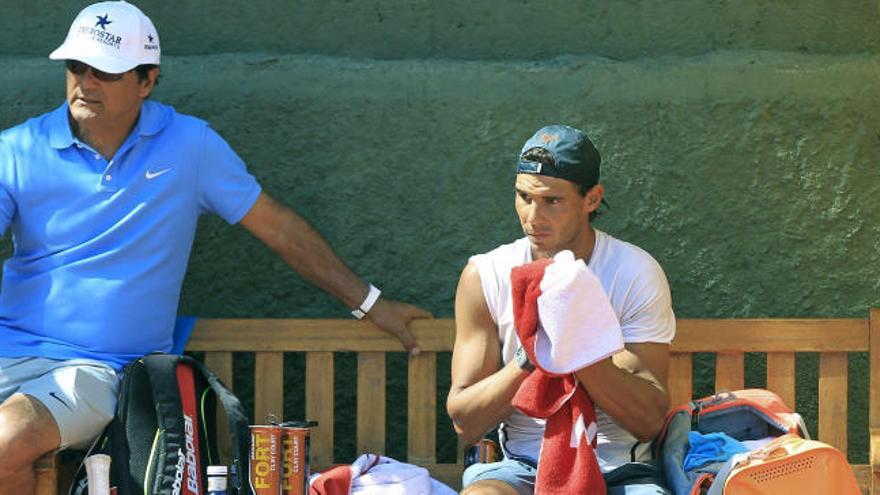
<point>368,303</point>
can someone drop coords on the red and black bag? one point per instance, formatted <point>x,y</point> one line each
<point>164,434</point>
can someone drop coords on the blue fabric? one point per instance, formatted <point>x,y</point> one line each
<point>101,248</point>
<point>183,328</point>
<point>710,447</point>
<point>518,474</point>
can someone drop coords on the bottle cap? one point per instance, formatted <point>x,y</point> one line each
<point>216,470</point>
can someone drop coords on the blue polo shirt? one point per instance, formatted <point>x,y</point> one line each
<point>101,247</point>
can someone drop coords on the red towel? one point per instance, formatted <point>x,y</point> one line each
<point>567,463</point>
<point>334,481</point>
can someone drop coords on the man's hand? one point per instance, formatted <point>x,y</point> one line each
<point>393,317</point>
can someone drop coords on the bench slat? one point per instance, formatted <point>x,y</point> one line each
<point>438,335</point>
<point>422,409</point>
<point>680,381</point>
<point>268,386</point>
<point>295,335</point>
<point>781,376</point>
<point>862,473</point>
<point>448,474</point>
<point>221,364</point>
<point>319,406</point>
<point>729,371</point>
<point>873,474</point>
<point>371,402</point>
<point>832,399</point>
<point>772,335</point>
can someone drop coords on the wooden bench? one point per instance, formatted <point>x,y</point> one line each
<point>729,340</point>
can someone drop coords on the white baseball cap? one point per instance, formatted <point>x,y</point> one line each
<point>112,37</point>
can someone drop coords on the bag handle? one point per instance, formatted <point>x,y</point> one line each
<point>802,425</point>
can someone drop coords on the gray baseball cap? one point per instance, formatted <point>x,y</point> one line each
<point>574,157</point>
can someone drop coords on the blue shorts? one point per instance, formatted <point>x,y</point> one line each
<point>629,479</point>
<point>518,474</point>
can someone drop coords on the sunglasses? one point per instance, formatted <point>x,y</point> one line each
<point>79,68</point>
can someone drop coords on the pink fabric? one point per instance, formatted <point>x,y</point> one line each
<point>567,463</point>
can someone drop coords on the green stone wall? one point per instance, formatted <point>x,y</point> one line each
<point>740,140</point>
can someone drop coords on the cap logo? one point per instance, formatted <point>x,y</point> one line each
<point>102,35</point>
<point>548,138</point>
<point>103,21</point>
<point>151,43</point>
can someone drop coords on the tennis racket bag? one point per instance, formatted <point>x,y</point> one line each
<point>164,434</point>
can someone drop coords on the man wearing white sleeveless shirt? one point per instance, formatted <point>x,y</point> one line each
<point>557,196</point>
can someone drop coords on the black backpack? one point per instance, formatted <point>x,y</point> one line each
<point>164,434</point>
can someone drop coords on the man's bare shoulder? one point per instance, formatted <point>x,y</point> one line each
<point>470,302</point>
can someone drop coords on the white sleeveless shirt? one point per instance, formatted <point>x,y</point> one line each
<point>639,295</point>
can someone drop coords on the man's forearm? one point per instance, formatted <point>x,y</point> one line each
<point>478,408</point>
<point>306,251</point>
<point>302,247</point>
<point>638,404</point>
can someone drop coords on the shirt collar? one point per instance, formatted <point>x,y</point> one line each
<point>153,119</point>
<point>60,135</point>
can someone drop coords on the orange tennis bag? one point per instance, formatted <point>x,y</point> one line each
<point>785,464</point>
<point>788,464</point>
<point>750,414</point>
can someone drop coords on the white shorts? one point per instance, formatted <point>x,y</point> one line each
<point>80,393</point>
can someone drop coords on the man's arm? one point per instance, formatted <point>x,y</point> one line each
<point>481,390</point>
<point>631,387</point>
<point>303,248</point>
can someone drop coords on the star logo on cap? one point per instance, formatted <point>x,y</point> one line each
<point>103,21</point>
<point>150,37</point>
<point>548,138</point>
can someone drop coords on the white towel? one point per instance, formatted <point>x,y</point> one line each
<point>578,326</point>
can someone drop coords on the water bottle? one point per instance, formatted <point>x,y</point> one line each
<point>216,480</point>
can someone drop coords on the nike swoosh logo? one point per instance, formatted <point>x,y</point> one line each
<point>61,401</point>
<point>152,175</point>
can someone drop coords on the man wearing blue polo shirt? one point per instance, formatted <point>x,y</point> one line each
<point>102,196</point>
